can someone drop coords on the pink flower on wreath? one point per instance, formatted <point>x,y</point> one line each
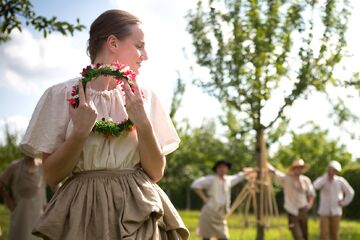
<point>118,81</point>
<point>130,74</point>
<point>74,91</point>
<point>119,66</point>
<point>125,69</point>
<point>72,101</point>
<point>85,70</point>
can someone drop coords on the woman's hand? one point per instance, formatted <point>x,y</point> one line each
<point>250,170</point>
<point>84,116</point>
<point>61,162</point>
<point>152,158</point>
<point>135,105</point>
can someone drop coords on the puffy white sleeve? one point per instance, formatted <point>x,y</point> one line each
<point>280,176</point>
<point>320,182</point>
<point>348,190</point>
<point>203,182</point>
<point>310,187</point>
<point>163,126</point>
<point>48,124</point>
<point>236,178</point>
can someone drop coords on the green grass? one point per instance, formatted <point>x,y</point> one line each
<point>350,230</point>
<point>4,221</point>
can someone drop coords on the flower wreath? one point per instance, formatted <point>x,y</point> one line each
<point>120,72</point>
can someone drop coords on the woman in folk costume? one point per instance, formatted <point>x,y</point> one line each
<point>216,200</point>
<point>108,138</point>
<point>23,189</point>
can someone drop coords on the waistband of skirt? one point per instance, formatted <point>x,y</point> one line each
<point>107,172</point>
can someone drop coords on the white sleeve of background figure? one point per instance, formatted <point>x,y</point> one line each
<point>203,182</point>
<point>280,176</point>
<point>311,189</point>
<point>320,182</point>
<point>235,179</point>
<point>348,190</point>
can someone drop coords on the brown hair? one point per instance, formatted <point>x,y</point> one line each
<point>112,22</point>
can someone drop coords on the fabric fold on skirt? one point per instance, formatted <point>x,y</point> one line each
<point>111,204</point>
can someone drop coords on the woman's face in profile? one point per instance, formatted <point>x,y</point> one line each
<point>131,50</point>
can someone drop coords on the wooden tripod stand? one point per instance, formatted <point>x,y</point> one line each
<point>247,197</point>
<point>258,190</point>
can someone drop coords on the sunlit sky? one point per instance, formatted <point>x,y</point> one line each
<point>29,64</point>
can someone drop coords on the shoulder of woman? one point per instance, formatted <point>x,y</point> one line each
<point>63,86</point>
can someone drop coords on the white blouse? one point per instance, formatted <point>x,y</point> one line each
<point>218,190</point>
<point>51,125</point>
<point>331,192</point>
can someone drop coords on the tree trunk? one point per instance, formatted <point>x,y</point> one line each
<point>188,198</point>
<point>261,153</point>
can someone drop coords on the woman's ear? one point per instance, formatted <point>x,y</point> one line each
<point>112,43</point>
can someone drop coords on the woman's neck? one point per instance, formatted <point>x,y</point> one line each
<point>102,83</point>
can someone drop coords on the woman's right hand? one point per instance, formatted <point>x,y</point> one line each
<point>84,116</point>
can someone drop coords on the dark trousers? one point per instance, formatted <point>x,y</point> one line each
<point>298,225</point>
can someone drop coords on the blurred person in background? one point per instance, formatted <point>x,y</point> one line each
<point>23,190</point>
<point>217,199</point>
<point>335,193</point>
<point>299,195</point>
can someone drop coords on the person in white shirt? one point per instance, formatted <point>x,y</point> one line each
<point>216,200</point>
<point>299,197</point>
<point>335,193</point>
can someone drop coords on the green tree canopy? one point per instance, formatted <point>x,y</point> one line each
<point>316,148</point>
<point>352,174</point>
<point>9,150</point>
<point>14,13</point>
<point>251,48</point>
<point>200,148</point>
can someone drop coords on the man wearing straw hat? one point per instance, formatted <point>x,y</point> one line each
<point>217,200</point>
<point>299,196</point>
<point>335,193</point>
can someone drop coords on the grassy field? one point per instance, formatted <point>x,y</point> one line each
<point>350,230</point>
<point>4,222</point>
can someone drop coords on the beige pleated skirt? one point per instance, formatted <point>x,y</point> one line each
<point>213,223</point>
<point>115,204</point>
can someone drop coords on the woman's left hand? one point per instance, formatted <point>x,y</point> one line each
<point>135,105</point>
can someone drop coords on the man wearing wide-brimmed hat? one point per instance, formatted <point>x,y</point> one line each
<point>299,196</point>
<point>335,193</point>
<point>217,199</point>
